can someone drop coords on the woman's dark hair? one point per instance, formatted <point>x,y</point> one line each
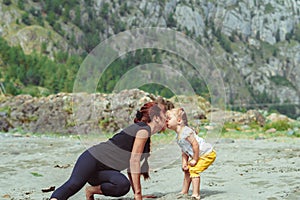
<point>147,112</point>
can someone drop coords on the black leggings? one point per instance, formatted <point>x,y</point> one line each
<point>89,170</point>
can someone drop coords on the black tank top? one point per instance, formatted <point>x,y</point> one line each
<point>116,152</point>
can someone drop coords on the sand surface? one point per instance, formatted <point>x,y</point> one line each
<point>244,169</point>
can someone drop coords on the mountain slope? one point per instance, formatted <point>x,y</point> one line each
<point>254,43</point>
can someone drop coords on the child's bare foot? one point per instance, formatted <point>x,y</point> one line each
<point>89,193</point>
<point>181,195</point>
<point>194,197</point>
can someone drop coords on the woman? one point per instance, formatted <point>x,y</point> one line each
<point>101,164</point>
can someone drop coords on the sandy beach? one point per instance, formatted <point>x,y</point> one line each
<point>244,168</point>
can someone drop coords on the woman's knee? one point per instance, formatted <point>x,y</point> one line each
<point>122,187</point>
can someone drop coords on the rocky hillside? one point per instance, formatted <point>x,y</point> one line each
<point>254,43</point>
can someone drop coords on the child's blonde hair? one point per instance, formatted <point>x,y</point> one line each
<point>180,113</point>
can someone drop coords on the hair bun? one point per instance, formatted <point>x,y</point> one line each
<point>139,115</point>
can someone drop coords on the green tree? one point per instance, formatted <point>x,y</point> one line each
<point>32,77</point>
<point>56,6</point>
<point>73,64</point>
<point>119,26</point>
<point>58,29</point>
<point>10,88</point>
<point>277,36</point>
<point>25,19</point>
<point>257,35</point>
<point>7,2</point>
<point>288,36</point>
<point>66,14</point>
<point>104,13</point>
<point>77,17</point>
<point>171,22</point>
<point>21,4</point>
<point>123,9</point>
<point>44,47</point>
<point>224,41</point>
<point>40,20</point>
<point>61,57</point>
<point>35,12</point>
<point>91,40</point>
<point>51,18</point>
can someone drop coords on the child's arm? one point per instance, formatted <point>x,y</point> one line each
<point>191,139</point>
<point>185,159</point>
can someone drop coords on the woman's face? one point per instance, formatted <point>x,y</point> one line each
<point>163,120</point>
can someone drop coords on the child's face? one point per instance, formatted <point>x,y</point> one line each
<point>172,121</point>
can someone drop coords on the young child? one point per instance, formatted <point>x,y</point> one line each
<point>197,155</point>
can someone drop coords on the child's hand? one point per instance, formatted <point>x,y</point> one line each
<point>193,162</point>
<point>185,167</point>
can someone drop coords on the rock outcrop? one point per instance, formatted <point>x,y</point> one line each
<point>83,113</point>
<point>71,113</point>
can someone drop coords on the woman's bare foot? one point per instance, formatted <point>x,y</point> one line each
<point>91,190</point>
<point>89,193</point>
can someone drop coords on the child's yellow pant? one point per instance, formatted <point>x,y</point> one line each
<point>203,163</point>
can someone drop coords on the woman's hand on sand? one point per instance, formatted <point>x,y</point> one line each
<point>138,197</point>
<point>149,196</point>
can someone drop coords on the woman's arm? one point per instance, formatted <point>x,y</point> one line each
<point>191,139</point>
<point>135,159</point>
<point>130,179</point>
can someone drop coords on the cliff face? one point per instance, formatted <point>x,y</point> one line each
<point>272,20</point>
<point>254,25</point>
<point>261,63</point>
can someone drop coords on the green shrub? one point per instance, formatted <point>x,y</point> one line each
<point>254,125</point>
<point>35,91</point>
<point>6,110</point>
<point>281,125</point>
<point>230,125</point>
